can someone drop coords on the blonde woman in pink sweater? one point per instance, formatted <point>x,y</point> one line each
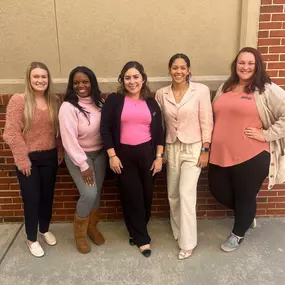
<point>31,130</point>
<point>188,117</point>
<point>79,118</point>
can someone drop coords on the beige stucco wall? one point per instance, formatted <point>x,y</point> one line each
<point>104,35</point>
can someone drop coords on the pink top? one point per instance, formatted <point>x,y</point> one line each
<point>40,137</point>
<point>135,122</point>
<point>78,135</point>
<point>191,120</point>
<point>234,112</point>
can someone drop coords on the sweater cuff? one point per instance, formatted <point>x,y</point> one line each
<point>84,166</point>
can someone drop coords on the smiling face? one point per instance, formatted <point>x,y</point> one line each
<point>133,81</point>
<point>81,85</point>
<point>245,67</point>
<point>39,79</point>
<point>179,71</point>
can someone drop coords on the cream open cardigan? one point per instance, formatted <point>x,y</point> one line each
<point>271,109</point>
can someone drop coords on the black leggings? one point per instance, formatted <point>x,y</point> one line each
<point>237,187</point>
<point>37,191</point>
<point>136,187</point>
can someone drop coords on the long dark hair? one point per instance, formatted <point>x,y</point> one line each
<point>145,91</point>
<point>186,59</point>
<point>70,94</point>
<point>259,78</point>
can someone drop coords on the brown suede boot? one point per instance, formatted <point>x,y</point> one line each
<point>93,232</point>
<point>80,234</point>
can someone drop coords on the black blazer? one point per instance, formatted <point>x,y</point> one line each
<point>110,128</point>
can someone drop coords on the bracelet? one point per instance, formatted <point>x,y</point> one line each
<point>112,156</point>
<point>206,149</point>
<point>158,155</point>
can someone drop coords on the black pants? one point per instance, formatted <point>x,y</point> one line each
<point>237,187</point>
<point>37,191</point>
<point>136,187</point>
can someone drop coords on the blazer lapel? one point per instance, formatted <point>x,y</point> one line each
<point>188,94</point>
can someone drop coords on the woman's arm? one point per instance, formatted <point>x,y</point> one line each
<point>13,132</point>
<point>68,123</point>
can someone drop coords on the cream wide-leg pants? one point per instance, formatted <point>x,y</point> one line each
<point>182,179</point>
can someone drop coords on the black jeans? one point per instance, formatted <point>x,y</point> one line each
<point>237,187</point>
<point>136,187</point>
<point>37,191</point>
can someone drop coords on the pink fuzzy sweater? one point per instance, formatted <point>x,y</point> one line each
<point>40,137</point>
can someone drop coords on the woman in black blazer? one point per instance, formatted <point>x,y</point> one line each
<point>131,127</point>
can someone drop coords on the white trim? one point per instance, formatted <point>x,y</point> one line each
<point>204,78</point>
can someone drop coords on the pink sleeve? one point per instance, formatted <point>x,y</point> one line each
<point>68,122</point>
<point>206,115</point>
<point>13,131</point>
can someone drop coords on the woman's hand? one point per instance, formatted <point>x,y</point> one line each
<point>203,159</point>
<point>88,177</point>
<point>26,171</point>
<point>156,165</point>
<point>115,164</point>
<point>59,160</point>
<point>254,133</point>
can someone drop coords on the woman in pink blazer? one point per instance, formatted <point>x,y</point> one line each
<point>188,117</point>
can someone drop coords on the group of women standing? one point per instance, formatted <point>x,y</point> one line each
<point>241,134</point>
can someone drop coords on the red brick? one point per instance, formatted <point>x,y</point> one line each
<point>269,42</point>
<point>6,213</point>
<point>276,65</point>
<point>278,1</point>
<point>270,57</point>
<point>279,81</point>
<point>282,72</point>
<point>9,194</point>
<point>265,205</point>
<point>278,17</point>
<point>276,212</point>
<point>263,34</point>
<point>263,50</point>
<point>280,49</point>
<point>264,17</point>
<point>5,200</point>
<point>272,73</point>
<point>276,34</point>
<point>271,9</point>
<point>11,207</point>
<point>270,25</point>
<point>266,2</point>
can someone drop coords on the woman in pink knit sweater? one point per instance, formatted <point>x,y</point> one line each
<point>79,118</point>
<point>31,130</point>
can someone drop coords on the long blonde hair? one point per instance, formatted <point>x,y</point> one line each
<point>30,102</point>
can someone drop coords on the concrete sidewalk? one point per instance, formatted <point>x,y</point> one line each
<point>260,259</point>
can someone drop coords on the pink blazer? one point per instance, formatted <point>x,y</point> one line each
<point>191,120</point>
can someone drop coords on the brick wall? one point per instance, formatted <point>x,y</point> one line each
<point>270,203</point>
<point>271,38</point>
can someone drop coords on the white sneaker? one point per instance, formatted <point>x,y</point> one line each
<point>36,249</point>
<point>49,238</point>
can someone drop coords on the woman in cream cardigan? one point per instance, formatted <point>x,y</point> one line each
<point>247,142</point>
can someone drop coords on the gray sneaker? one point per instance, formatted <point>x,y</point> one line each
<point>231,244</point>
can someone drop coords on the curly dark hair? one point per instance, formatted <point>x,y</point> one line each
<point>70,94</point>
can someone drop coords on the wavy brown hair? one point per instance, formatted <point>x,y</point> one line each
<point>145,91</point>
<point>257,81</point>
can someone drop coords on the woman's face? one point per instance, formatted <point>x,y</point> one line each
<point>81,85</point>
<point>245,67</point>
<point>179,71</point>
<point>39,79</point>
<point>133,81</point>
